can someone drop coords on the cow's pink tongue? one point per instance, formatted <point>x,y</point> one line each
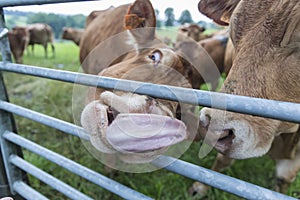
<point>134,133</point>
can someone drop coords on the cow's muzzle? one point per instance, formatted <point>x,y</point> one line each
<point>219,137</point>
<point>119,124</point>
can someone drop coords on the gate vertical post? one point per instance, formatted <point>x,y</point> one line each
<point>7,123</point>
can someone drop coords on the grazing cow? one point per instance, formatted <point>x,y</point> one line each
<point>187,31</point>
<point>266,64</point>
<point>209,53</point>
<point>42,34</point>
<point>18,41</point>
<point>72,34</point>
<point>143,57</point>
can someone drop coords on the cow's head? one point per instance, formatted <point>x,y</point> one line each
<point>131,123</point>
<point>266,37</point>
<point>18,39</point>
<point>72,34</point>
<point>66,34</point>
<point>192,30</point>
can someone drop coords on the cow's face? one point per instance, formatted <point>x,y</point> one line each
<point>266,36</point>
<point>149,124</point>
<point>193,31</point>
<point>66,33</point>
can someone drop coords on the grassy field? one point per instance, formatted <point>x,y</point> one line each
<point>54,98</point>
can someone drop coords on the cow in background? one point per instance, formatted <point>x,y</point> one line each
<point>18,40</point>
<point>266,64</point>
<point>190,31</point>
<point>209,53</point>
<point>42,34</point>
<point>72,34</point>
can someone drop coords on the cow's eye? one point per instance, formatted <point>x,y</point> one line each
<point>156,57</point>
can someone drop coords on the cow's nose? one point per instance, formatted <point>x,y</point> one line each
<point>214,133</point>
<point>224,140</point>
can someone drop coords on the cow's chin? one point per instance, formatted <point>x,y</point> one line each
<point>136,137</point>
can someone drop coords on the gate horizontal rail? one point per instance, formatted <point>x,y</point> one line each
<point>44,119</point>
<point>50,180</point>
<point>191,171</point>
<point>84,172</point>
<point>27,192</point>
<point>285,111</point>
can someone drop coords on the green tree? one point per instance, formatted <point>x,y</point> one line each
<point>169,13</point>
<point>185,17</point>
<point>158,21</point>
<point>57,22</point>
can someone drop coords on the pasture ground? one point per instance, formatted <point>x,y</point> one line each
<point>54,98</point>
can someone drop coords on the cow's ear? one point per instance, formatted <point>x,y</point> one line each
<point>141,15</point>
<point>218,10</point>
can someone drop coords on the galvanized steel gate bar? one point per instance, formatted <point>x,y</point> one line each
<point>11,142</point>
<point>248,105</point>
<point>220,181</point>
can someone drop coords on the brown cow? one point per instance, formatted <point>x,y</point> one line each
<point>42,34</point>
<point>209,53</point>
<point>266,38</point>
<point>228,58</point>
<point>143,58</point>
<point>72,34</point>
<point>187,31</point>
<point>18,41</point>
<point>95,14</point>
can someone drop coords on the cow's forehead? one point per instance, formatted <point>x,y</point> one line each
<point>251,16</point>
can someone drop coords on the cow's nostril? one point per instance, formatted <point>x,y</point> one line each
<point>111,114</point>
<point>227,137</point>
<point>224,143</point>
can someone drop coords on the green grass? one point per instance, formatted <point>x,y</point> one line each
<point>169,32</point>
<point>54,98</point>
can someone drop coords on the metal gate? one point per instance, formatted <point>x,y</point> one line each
<point>14,168</point>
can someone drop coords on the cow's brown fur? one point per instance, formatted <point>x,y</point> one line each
<point>18,40</point>
<point>266,38</point>
<point>209,55</point>
<point>228,58</point>
<point>72,34</point>
<point>94,14</point>
<point>42,34</point>
<point>98,30</point>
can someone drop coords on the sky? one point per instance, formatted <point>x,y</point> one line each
<point>88,6</point>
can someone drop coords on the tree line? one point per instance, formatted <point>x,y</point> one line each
<point>170,20</point>
<point>58,21</point>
